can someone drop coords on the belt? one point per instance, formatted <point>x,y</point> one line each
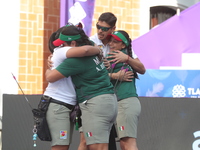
<point>62,103</point>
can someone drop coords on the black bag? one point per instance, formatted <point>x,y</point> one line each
<point>75,116</point>
<point>40,119</point>
<point>41,125</point>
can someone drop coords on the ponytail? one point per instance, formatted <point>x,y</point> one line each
<point>129,48</point>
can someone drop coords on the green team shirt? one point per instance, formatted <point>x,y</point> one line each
<point>123,89</point>
<point>89,76</point>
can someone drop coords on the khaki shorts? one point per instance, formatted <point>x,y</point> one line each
<point>59,124</point>
<point>98,115</point>
<point>127,119</point>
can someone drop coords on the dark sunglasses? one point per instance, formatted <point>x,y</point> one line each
<point>103,28</point>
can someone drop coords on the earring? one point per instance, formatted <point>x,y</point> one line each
<point>61,45</point>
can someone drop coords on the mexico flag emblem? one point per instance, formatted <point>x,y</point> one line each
<point>121,128</point>
<point>89,134</point>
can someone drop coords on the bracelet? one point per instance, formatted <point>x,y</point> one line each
<point>127,59</point>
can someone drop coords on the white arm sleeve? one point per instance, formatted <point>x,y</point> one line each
<point>59,55</point>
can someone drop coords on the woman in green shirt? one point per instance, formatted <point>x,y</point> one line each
<point>129,107</point>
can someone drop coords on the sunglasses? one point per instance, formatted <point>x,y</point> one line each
<point>103,28</point>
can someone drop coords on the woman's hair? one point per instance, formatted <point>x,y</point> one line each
<point>73,30</point>
<point>53,37</point>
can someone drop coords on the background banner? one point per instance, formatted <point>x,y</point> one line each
<point>170,53</point>
<point>169,83</point>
